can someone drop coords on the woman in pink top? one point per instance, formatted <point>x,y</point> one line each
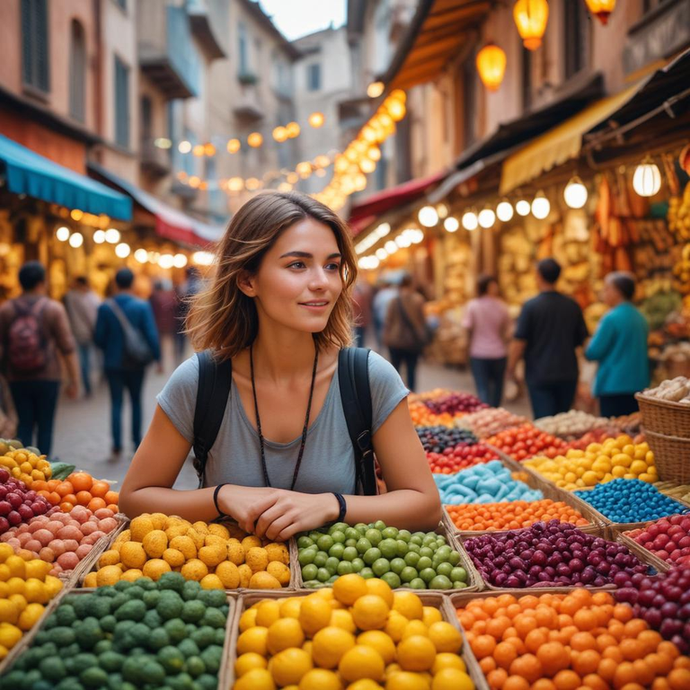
<point>487,320</point>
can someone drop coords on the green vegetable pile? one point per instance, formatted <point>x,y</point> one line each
<point>417,560</point>
<point>145,634</point>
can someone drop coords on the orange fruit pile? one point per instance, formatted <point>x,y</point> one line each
<point>513,515</point>
<point>569,642</point>
<point>79,489</point>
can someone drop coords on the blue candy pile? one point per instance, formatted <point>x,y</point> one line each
<point>630,500</point>
<point>490,482</point>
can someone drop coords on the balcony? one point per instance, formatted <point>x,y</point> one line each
<point>205,24</point>
<point>248,106</point>
<point>154,160</point>
<point>167,53</point>
<point>658,35</point>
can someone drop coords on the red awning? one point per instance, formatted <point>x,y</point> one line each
<point>361,215</point>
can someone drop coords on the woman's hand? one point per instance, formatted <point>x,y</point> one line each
<point>277,514</point>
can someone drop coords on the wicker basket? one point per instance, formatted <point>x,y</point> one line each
<point>226,677</point>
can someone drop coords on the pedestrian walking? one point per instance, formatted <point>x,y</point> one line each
<point>549,330</point>
<point>487,320</point>
<point>35,334</point>
<point>362,295</point>
<point>620,346</point>
<point>387,292</point>
<point>405,330</point>
<point>126,332</point>
<point>82,308</point>
<point>185,294</point>
<point>273,403</point>
<point>164,304</point>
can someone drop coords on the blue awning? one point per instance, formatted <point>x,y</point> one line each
<point>27,172</point>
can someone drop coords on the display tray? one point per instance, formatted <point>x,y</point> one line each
<point>551,491</point>
<point>603,532</point>
<point>619,527</point>
<point>229,627</point>
<point>440,601</point>
<point>474,580</point>
<point>92,566</point>
<point>659,563</point>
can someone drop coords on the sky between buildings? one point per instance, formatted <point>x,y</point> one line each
<point>296,18</point>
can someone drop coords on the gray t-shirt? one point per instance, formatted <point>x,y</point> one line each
<point>328,461</point>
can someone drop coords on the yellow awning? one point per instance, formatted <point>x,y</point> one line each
<point>559,144</point>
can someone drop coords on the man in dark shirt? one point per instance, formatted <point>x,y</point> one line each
<point>549,330</point>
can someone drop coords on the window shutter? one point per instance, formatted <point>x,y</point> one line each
<point>27,42</point>
<point>41,45</point>
<point>77,86</point>
<point>121,103</point>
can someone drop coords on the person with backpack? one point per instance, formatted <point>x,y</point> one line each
<point>126,332</point>
<point>34,335</point>
<point>405,331</point>
<point>284,417</point>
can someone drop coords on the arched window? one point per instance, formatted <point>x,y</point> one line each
<point>77,71</point>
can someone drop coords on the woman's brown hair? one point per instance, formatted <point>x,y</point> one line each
<point>222,318</point>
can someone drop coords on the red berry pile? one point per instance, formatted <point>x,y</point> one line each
<point>455,403</point>
<point>668,538</point>
<point>526,441</point>
<point>460,457</point>
<point>18,503</point>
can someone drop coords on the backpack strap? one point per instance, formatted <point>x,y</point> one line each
<point>215,381</point>
<point>355,394</point>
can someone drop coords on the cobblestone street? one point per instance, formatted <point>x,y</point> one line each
<point>82,427</point>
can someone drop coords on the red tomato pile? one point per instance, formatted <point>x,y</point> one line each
<point>460,457</point>
<point>526,441</point>
<point>668,538</point>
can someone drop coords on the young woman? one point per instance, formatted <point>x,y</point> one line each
<point>279,306</point>
<point>487,321</point>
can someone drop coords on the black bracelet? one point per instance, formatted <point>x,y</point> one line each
<point>343,509</point>
<point>221,514</point>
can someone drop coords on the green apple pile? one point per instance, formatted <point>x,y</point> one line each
<point>419,560</point>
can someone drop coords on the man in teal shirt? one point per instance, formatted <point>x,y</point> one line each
<point>620,347</point>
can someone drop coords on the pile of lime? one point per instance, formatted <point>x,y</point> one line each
<point>419,560</point>
<point>140,634</point>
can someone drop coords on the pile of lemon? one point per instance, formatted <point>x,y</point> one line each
<point>25,465</point>
<point>216,556</point>
<point>615,458</point>
<point>25,589</point>
<point>359,635</point>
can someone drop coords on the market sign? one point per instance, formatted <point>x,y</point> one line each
<point>657,37</point>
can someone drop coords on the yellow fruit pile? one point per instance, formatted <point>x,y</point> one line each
<point>217,556</point>
<point>599,463</point>
<point>25,588</point>
<point>358,635</point>
<point>27,466</point>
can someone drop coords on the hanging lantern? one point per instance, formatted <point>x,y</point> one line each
<point>280,134</point>
<point>540,206</point>
<point>523,207</point>
<point>451,224</point>
<point>530,18</point>
<point>469,221</point>
<point>486,217</point>
<point>255,140</point>
<point>293,129</point>
<point>184,147</point>
<point>575,193</point>
<point>601,9</point>
<point>647,178</point>
<point>428,216</point>
<point>491,65</point>
<point>209,150</point>
<point>316,120</point>
<point>375,89</point>
<point>504,211</point>
<point>198,150</point>
<point>233,145</point>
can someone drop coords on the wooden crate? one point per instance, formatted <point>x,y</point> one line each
<point>440,601</point>
<point>474,580</point>
<point>651,563</point>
